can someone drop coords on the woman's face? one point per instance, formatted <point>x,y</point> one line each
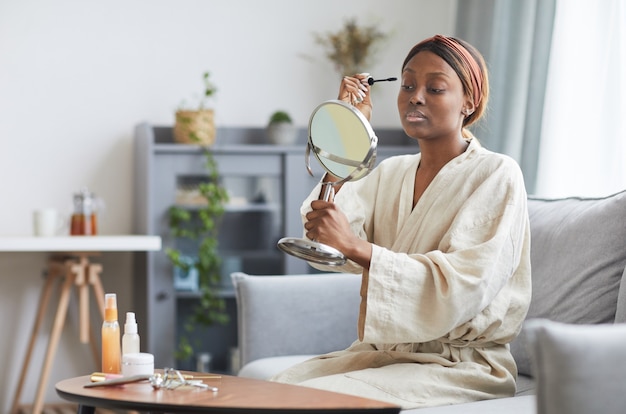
<point>431,98</point>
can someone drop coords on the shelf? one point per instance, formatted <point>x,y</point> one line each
<point>270,252</point>
<point>237,208</point>
<point>80,243</point>
<point>189,295</point>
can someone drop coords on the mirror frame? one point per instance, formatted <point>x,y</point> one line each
<point>362,167</point>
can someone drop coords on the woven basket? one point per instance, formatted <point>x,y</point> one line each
<point>195,127</point>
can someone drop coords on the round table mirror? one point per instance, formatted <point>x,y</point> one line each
<point>344,143</point>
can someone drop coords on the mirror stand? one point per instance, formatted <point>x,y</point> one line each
<point>310,250</point>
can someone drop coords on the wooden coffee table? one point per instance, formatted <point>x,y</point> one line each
<point>235,395</point>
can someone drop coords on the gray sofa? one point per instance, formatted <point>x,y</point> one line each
<point>578,259</point>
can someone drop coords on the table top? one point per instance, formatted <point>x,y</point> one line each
<point>119,243</point>
<point>235,395</point>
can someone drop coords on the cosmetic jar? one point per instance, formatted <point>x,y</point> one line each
<point>139,363</point>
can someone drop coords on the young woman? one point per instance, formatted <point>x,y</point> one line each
<point>442,241</point>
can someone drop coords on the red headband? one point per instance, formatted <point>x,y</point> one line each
<point>468,59</point>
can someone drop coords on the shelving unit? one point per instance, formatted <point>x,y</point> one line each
<point>266,184</point>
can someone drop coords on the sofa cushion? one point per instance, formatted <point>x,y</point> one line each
<point>578,368</point>
<point>266,368</point>
<point>512,405</point>
<point>578,255</point>
<point>525,385</point>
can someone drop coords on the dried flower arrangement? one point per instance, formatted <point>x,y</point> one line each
<point>352,47</point>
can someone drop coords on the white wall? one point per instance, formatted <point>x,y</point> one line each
<point>76,76</point>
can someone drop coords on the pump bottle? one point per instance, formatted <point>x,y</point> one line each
<point>111,349</point>
<point>130,340</point>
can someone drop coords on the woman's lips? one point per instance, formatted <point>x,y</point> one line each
<point>414,116</point>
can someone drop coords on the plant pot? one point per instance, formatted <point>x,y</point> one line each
<point>195,127</point>
<point>282,133</point>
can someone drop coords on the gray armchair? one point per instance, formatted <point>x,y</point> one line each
<point>305,315</point>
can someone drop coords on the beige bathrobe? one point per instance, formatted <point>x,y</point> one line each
<point>448,287</point>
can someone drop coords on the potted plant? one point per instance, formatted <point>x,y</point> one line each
<point>280,129</point>
<point>197,125</point>
<point>352,48</point>
<point>198,226</point>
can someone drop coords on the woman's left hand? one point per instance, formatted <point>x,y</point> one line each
<point>356,91</point>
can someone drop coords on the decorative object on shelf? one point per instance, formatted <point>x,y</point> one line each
<point>197,126</point>
<point>200,227</point>
<point>352,47</point>
<point>83,221</point>
<point>186,280</point>
<point>280,129</point>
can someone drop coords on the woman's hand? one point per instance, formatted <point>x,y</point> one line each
<point>356,91</point>
<point>328,225</point>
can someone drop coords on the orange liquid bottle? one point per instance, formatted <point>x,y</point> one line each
<point>83,225</point>
<point>111,345</point>
<point>84,221</point>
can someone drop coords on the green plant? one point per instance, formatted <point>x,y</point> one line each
<point>352,47</point>
<point>210,90</point>
<point>280,116</point>
<point>201,227</point>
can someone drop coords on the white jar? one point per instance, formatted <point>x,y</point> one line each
<point>139,363</point>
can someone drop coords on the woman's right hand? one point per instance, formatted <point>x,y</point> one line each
<point>356,91</point>
<point>327,224</point>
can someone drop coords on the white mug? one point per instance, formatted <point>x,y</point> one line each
<point>46,222</point>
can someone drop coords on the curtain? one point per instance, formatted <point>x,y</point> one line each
<point>515,39</point>
<point>583,140</point>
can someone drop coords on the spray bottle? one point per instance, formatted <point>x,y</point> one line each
<point>130,340</point>
<point>111,350</point>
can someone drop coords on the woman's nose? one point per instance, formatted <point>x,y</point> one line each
<point>417,97</point>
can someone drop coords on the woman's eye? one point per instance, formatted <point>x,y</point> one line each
<point>407,87</point>
<point>436,90</point>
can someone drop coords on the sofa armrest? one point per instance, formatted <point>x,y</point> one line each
<point>295,314</point>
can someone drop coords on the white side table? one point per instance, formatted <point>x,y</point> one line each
<point>70,264</point>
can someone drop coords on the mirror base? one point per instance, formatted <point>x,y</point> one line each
<point>311,251</point>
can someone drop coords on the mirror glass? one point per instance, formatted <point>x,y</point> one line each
<point>342,140</point>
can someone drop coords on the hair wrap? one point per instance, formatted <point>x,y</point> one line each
<point>468,59</point>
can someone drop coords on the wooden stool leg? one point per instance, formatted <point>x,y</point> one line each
<point>95,350</point>
<point>57,327</point>
<point>41,312</point>
<point>95,281</point>
<point>79,269</point>
<point>93,274</point>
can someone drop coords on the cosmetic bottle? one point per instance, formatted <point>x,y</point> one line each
<point>111,349</point>
<point>130,340</point>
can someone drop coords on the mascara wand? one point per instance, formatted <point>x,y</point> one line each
<point>371,80</point>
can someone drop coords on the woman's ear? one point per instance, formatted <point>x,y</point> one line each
<point>467,111</point>
<point>468,108</point>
